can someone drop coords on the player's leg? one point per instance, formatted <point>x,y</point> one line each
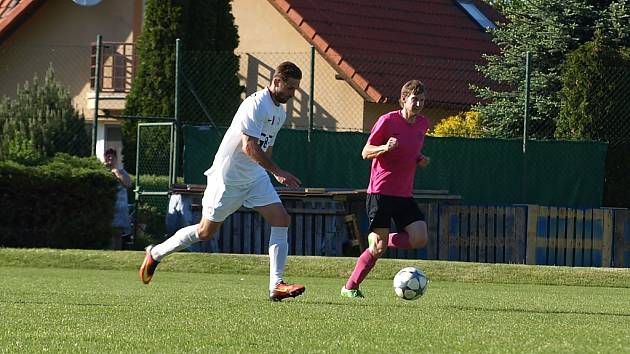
<point>219,201</point>
<point>377,246</point>
<point>410,219</point>
<point>185,237</point>
<point>418,236</point>
<point>264,199</point>
<point>379,214</point>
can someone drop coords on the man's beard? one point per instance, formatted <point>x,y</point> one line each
<point>282,98</point>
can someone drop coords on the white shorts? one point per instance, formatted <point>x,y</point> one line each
<point>220,200</point>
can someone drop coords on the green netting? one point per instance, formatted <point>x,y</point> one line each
<point>495,171</point>
<point>482,171</point>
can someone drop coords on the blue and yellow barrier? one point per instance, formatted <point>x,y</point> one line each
<point>493,234</point>
<point>621,239</point>
<point>529,234</point>
<point>569,237</point>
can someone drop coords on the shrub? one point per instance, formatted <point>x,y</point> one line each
<point>40,122</point>
<point>465,124</point>
<point>66,203</point>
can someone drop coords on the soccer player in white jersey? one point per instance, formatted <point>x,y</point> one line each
<point>238,177</point>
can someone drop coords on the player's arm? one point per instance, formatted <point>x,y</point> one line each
<point>122,176</point>
<point>372,151</point>
<point>253,150</point>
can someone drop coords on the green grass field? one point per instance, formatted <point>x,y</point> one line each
<point>93,301</point>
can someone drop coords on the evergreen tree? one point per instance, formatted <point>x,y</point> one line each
<point>211,89</point>
<point>40,122</point>
<point>595,94</point>
<point>210,86</point>
<point>152,92</point>
<point>550,31</point>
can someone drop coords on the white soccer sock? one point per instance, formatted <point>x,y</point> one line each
<point>183,238</point>
<point>278,253</point>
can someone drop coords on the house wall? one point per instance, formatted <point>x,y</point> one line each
<point>267,39</point>
<point>60,33</point>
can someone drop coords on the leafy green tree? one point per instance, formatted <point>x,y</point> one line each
<point>550,31</point>
<point>40,122</point>
<point>210,87</point>
<point>499,5</point>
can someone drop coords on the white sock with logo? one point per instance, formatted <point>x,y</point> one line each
<point>278,253</point>
<point>183,238</point>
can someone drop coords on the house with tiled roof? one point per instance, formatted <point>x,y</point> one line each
<point>38,34</point>
<point>355,54</point>
<point>366,50</point>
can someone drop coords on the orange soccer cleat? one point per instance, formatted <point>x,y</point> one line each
<point>284,290</point>
<point>148,266</point>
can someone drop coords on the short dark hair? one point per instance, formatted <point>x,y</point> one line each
<point>111,151</point>
<point>288,70</point>
<point>411,87</point>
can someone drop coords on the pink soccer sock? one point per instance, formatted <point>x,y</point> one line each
<point>365,263</point>
<point>399,240</point>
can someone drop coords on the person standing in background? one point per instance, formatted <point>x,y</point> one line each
<point>121,209</point>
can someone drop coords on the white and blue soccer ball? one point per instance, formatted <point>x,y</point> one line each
<point>410,283</point>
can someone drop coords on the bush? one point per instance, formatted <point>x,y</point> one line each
<point>67,202</point>
<point>40,122</point>
<point>465,124</point>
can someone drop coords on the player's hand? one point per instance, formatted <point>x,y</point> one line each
<point>424,161</point>
<point>287,179</point>
<point>391,144</point>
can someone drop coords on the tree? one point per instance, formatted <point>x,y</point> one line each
<point>499,5</point>
<point>550,31</point>
<point>207,31</point>
<point>152,92</point>
<point>40,122</point>
<point>211,90</point>
<point>595,102</point>
<point>595,94</point>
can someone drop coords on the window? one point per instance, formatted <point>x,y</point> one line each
<point>476,14</point>
<point>117,66</point>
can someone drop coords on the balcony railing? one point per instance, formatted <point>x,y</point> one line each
<point>118,66</point>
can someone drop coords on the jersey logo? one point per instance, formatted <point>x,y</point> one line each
<point>263,142</point>
<point>272,120</point>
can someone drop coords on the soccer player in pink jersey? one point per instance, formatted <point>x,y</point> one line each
<point>395,148</point>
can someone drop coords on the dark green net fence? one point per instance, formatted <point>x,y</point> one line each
<point>482,171</point>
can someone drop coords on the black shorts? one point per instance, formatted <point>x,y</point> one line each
<point>381,209</point>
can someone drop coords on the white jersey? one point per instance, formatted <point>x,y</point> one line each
<point>258,117</point>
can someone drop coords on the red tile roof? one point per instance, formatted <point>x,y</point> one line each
<point>13,13</point>
<point>380,44</point>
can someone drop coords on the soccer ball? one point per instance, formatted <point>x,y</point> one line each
<point>410,283</point>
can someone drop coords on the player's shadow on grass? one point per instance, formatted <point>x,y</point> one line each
<point>355,302</point>
<point>542,312</point>
<point>359,302</point>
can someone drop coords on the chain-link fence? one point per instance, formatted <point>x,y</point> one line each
<point>591,106</point>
